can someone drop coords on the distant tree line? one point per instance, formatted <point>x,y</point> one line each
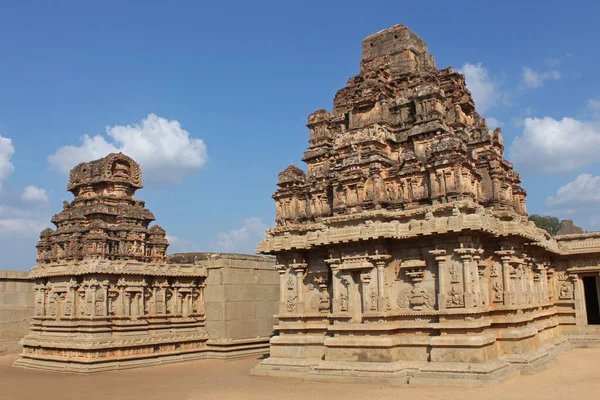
<point>550,224</point>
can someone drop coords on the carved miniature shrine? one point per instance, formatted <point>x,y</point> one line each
<point>105,296</point>
<point>405,253</point>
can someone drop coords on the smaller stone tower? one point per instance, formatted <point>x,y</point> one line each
<point>105,296</point>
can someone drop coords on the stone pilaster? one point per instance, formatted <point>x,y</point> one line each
<point>440,260</point>
<point>506,257</point>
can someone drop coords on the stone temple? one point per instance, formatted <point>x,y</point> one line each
<point>108,297</point>
<point>405,253</point>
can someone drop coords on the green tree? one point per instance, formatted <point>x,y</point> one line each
<point>550,224</point>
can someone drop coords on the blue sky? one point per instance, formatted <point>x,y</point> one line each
<point>230,85</point>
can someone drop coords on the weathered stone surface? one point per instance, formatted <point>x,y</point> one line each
<point>108,297</point>
<point>404,252</point>
<point>568,227</point>
<point>17,297</point>
<point>105,296</point>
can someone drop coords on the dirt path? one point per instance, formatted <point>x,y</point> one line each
<point>575,377</point>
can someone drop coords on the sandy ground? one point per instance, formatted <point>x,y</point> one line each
<point>575,377</point>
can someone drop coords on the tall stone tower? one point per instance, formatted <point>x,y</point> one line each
<point>105,296</point>
<point>405,251</point>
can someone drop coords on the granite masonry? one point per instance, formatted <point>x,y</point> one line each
<point>107,297</point>
<point>17,298</point>
<point>405,253</point>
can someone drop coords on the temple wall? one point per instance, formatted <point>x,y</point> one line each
<point>17,297</point>
<point>242,294</point>
<point>241,298</point>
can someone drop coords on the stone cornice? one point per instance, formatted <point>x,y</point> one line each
<point>116,267</point>
<point>383,224</point>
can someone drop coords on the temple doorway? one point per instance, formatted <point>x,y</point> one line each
<point>592,305</point>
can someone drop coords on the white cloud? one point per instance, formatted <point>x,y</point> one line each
<point>34,196</point>
<point>165,150</point>
<point>21,227</point>
<point>578,200</point>
<point>553,146</point>
<point>6,166</point>
<point>18,222</point>
<point>482,87</point>
<point>181,245</point>
<point>594,106</point>
<point>493,123</point>
<point>244,239</point>
<point>532,79</point>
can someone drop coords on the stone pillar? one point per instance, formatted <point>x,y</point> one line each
<point>470,276</point>
<point>127,305</point>
<point>142,298</point>
<point>72,297</point>
<point>201,307</point>
<point>380,285</point>
<point>506,258</point>
<point>459,186</point>
<point>94,285</point>
<point>336,286</point>
<point>176,309</point>
<point>433,178</point>
<point>495,187</point>
<point>543,283</point>
<point>579,300</point>
<point>440,259</point>
<point>282,269</point>
<point>153,308</point>
<point>482,282</point>
<point>299,268</point>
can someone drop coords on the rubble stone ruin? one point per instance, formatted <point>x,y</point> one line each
<point>105,296</point>
<point>405,253</point>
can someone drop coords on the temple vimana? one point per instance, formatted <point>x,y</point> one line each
<point>403,254</point>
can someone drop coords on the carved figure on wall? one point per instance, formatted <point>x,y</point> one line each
<point>455,297</point>
<point>494,269</point>
<point>403,299</point>
<point>417,297</point>
<point>291,303</point>
<point>52,308</point>
<point>498,291</point>
<point>324,304</point>
<point>68,309</point>
<point>343,302</point>
<point>315,301</point>
<point>340,196</point>
<point>454,270</point>
<point>373,297</point>
<point>291,283</point>
<point>566,291</point>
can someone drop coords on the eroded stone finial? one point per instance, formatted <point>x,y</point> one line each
<point>104,220</point>
<point>397,46</point>
<point>114,168</point>
<point>291,175</point>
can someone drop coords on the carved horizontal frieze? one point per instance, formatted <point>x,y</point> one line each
<point>86,267</point>
<point>400,225</point>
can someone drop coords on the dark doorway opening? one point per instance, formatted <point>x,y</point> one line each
<point>591,300</point>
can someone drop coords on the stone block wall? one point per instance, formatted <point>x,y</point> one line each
<point>17,297</point>
<point>241,300</point>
